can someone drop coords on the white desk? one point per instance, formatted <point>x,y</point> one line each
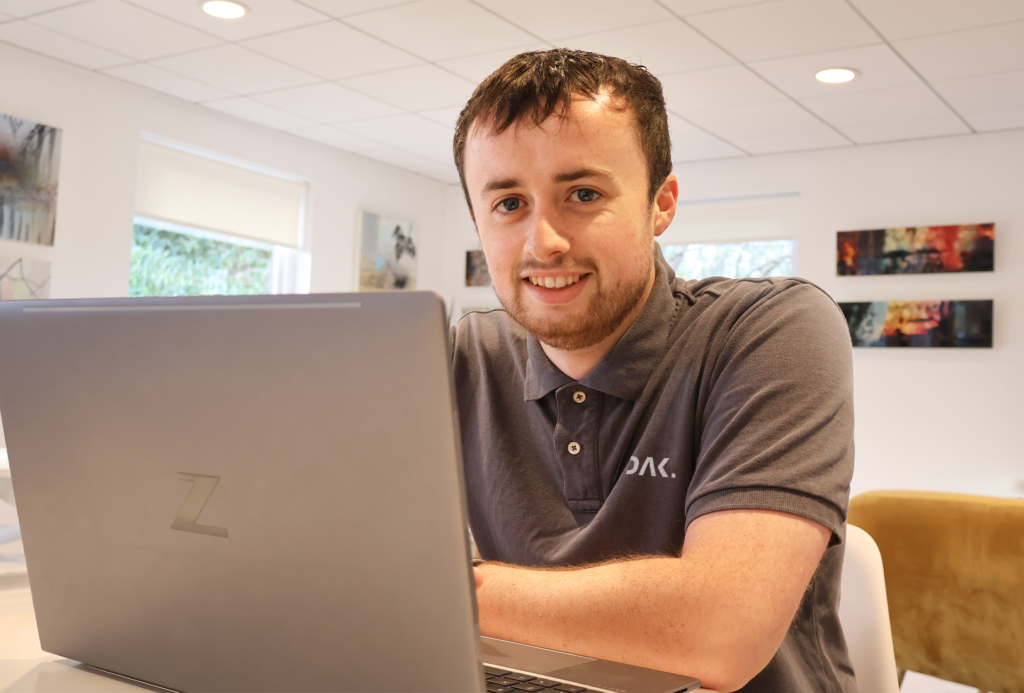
<point>25,668</point>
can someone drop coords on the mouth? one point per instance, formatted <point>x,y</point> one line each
<point>556,289</point>
<point>556,282</point>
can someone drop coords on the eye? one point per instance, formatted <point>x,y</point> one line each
<point>510,204</point>
<point>584,195</point>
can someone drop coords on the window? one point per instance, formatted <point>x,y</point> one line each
<point>735,237</point>
<point>187,262</point>
<point>740,259</point>
<point>206,226</point>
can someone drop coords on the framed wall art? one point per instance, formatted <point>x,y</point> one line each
<point>916,250</point>
<point>919,323</point>
<point>29,169</point>
<point>387,253</point>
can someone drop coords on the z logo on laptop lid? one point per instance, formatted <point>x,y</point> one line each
<point>202,489</point>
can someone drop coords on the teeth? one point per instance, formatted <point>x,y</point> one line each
<point>555,282</point>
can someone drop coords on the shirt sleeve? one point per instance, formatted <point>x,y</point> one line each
<point>777,425</point>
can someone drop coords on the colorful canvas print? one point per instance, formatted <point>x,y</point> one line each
<point>477,273</point>
<point>29,167</point>
<point>920,323</point>
<point>387,257</point>
<point>917,250</point>
<point>22,279</point>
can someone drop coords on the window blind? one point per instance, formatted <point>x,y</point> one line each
<point>196,191</point>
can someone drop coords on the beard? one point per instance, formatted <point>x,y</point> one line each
<point>588,325</point>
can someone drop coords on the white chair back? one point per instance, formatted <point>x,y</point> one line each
<point>864,614</point>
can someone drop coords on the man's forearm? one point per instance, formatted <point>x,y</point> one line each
<point>630,612</point>
<point>718,613</point>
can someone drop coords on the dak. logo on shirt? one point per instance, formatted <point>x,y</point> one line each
<point>634,466</point>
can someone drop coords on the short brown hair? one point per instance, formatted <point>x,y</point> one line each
<point>532,86</point>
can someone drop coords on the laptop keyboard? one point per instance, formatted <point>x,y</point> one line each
<point>501,681</point>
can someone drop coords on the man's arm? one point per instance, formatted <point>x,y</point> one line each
<point>718,613</point>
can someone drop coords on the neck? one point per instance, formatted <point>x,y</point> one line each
<point>578,363</point>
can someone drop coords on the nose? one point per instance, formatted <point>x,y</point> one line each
<point>543,241</point>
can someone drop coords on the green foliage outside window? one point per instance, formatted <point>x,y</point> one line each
<point>166,263</point>
<point>737,260</point>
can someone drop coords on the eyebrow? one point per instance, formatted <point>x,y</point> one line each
<point>581,173</point>
<point>567,177</point>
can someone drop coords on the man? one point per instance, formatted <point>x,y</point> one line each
<point>657,470</point>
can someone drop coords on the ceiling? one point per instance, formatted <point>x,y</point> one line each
<point>385,79</point>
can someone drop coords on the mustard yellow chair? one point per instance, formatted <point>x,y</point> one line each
<point>954,577</point>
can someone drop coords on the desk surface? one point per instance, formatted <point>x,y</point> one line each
<point>25,668</point>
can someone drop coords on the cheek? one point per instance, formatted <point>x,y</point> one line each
<point>501,256</point>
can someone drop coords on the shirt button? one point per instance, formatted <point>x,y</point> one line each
<point>574,448</point>
<point>579,397</point>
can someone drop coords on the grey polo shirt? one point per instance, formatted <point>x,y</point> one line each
<point>723,394</point>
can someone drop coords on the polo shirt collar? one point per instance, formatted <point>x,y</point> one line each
<point>625,369</point>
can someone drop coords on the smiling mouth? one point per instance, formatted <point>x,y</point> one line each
<point>559,282</point>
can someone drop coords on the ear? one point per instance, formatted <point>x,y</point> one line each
<point>665,204</point>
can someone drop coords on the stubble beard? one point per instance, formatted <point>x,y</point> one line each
<point>607,309</point>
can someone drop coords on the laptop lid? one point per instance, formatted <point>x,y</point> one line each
<point>246,493</point>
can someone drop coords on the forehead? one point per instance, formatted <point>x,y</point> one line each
<point>598,131</point>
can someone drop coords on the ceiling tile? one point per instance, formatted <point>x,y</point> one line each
<point>557,19</point>
<point>400,131</point>
<point>27,8</point>
<point>167,82</point>
<point>40,40</point>
<point>1001,120</point>
<point>476,68</point>
<point>906,130</point>
<point>261,113</point>
<point>785,27</point>
<point>797,142</point>
<point>966,53</point>
<point>894,104</point>
<point>769,127</point>
<point>879,67</point>
<point>445,116</point>
<point>662,47</point>
<point>420,88</point>
<point>344,8</point>
<point>327,103</point>
<point>441,29</point>
<point>332,50</point>
<point>332,136</point>
<point>688,7</point>
<point>236,69</point>
<point>263,17</point>
<point>690,143</point>
<point>404,159</point>
<point>720,87</point>
<point>440,151</point>
<point>900,19</point>
<point>997,93</point>
<point>125,29</point>
<point>702,151</point>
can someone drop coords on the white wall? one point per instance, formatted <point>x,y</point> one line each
<point>103,121</point>
<point>942,419</point>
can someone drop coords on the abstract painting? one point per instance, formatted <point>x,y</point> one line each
<point>917,250</point>
<point>920,323</point>
<point>477,273</point>
<point>29,167</point>
<point>387,256</point>
<point>22,279</point>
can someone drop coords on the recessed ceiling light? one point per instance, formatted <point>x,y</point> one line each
<point>836,75</point>
<point>223,9</point>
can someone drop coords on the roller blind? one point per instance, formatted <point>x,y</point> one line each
<point>204,193</point>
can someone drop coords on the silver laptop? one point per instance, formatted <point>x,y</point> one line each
<point>256,494</point>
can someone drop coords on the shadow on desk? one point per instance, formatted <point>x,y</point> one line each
<point>62,675</point>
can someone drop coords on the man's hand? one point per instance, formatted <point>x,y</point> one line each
<point>719,612</point>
